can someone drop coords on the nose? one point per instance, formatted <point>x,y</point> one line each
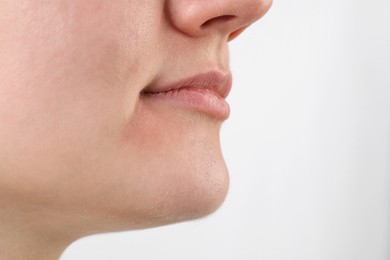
<point>197,18</point>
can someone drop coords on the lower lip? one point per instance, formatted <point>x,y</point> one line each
<point>196,99</point>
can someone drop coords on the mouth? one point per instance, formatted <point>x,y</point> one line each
<point>204,93</point>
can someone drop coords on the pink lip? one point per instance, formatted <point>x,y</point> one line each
<point>205,93</point>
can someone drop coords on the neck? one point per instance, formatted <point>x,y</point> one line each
<point>18,245</point>
<point>32,236</point>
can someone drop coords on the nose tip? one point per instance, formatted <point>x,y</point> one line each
<point>229,18</point>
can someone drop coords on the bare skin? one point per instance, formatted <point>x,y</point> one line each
<point>83,150</point>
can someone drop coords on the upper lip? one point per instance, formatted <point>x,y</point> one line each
<point>218,81</point>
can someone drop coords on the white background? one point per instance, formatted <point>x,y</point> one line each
<point>307,145</point>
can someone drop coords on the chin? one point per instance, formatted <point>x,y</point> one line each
<point>182,174</point>
<point>197,195</point>
<point>167,196</point>
<point>201,193</point>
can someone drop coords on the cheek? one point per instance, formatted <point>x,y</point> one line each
<point>70,81</point>
<point>72,47</point>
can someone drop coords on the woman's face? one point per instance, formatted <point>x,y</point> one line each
<point>89,130</point>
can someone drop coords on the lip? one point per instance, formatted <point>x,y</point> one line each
<point>204,93</point>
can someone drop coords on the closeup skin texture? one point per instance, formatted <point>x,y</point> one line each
<point>83,148</point>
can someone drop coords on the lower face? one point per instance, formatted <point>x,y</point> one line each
<point>76,136</point>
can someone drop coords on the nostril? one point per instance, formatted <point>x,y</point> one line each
<point>234,34</point>
<point>218,19</point>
